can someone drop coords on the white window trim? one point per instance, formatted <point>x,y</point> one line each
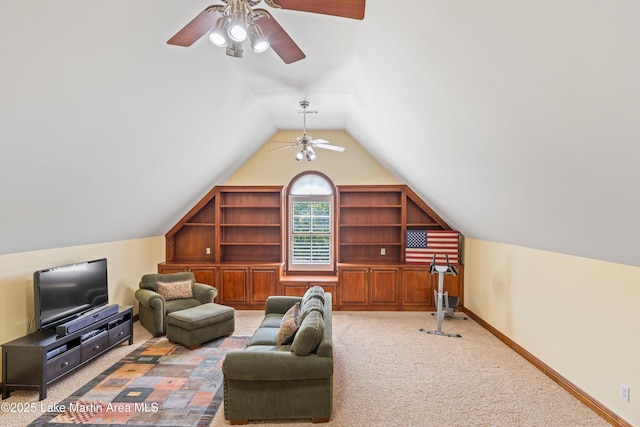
<point>330,266</point>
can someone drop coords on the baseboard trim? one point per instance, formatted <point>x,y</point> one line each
<point>606,413</point>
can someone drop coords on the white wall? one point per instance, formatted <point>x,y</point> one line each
<point>127,261</point>
<point>579,316</point>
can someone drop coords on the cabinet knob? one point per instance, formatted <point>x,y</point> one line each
<point>96,347</point>
<point>121,333</point>
<point>65,364</point>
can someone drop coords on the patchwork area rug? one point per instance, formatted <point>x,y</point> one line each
<point>158,384</point>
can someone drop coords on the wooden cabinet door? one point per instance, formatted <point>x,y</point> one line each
<point>294,289</point>
<point>453,285</point>
<point>297,289</point>
<point>417,286</point>
<point>204,275</point>
<point>354,288</point>
<point>201,274</point>
<point>233,285</point>
<point>263,284</point>
<point>384,286</point>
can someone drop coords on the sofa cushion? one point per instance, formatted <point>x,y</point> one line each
<point>309,335</point>
<point>313,292</point>
<point>200,316</point>
<point>263,336</point>
<point>272,320</point>
<point>289,325</point>
<point>175,290</point>
<point>180,304</point>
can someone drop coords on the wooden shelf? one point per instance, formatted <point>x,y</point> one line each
<point>249,244</point>
<point>371,225</point>
<point>249,225</point>
<point>371,244</point>
<point>369,206</point>
<point>374,219</point>
<point>371,222</point>
<point>238,224</point>
<point>251,206</point>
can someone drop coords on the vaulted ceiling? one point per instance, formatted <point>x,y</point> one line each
<point>518,122</point>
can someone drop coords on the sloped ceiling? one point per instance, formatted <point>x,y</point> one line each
<point>518,122</point>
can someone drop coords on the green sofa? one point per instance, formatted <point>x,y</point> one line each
<point>267,381</point>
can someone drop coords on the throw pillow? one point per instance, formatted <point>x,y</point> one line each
<point>309,335</point>
<point>175,290</point>
<point>289,325</point>
<point>314,304</point>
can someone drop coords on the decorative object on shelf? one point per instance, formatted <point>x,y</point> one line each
<point>307,142</point>
<point>423,245</point>
<point>230,24</point>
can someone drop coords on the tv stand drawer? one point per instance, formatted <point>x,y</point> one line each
<point>61,364</point>
<point>119,333</point>
<point>94,347</point>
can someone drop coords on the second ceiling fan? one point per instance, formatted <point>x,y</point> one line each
<point>306,142</point>
<point>230,24</point>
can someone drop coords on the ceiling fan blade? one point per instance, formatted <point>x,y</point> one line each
<point>197,28</point>
<point>330,147</point>
<point>279,40</point>
<point>283,148</point>
<point>353,9</point>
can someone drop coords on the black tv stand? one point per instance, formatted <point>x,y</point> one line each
<point>39,359</point>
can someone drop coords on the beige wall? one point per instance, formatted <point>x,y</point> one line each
<point>579,316</point>
<point>354,166</point>
<point>127,261</point>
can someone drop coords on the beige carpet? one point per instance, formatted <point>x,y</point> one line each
<point>387,373</point>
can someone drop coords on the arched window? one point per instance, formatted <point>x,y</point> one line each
<point>311,236</point>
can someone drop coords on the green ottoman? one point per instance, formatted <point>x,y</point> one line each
<point>196,325</point>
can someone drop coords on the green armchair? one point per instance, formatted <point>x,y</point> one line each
<point>154,307</point>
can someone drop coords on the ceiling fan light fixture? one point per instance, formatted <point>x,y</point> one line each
<point>237,32</point>
<point>299,155</point>
<point>310,154</point>
<point>217,36</point>
<point>237,29</point>
<point>259,42</point>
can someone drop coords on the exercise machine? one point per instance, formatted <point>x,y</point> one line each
<point>440,295</point>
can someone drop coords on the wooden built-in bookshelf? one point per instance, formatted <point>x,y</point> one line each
<point>235,239</point>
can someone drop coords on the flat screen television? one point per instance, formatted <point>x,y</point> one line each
<point>66,292</point>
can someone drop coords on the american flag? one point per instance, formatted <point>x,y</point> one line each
<point>423,244</point>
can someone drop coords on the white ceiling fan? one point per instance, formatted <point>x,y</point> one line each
<point>307,142</point>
